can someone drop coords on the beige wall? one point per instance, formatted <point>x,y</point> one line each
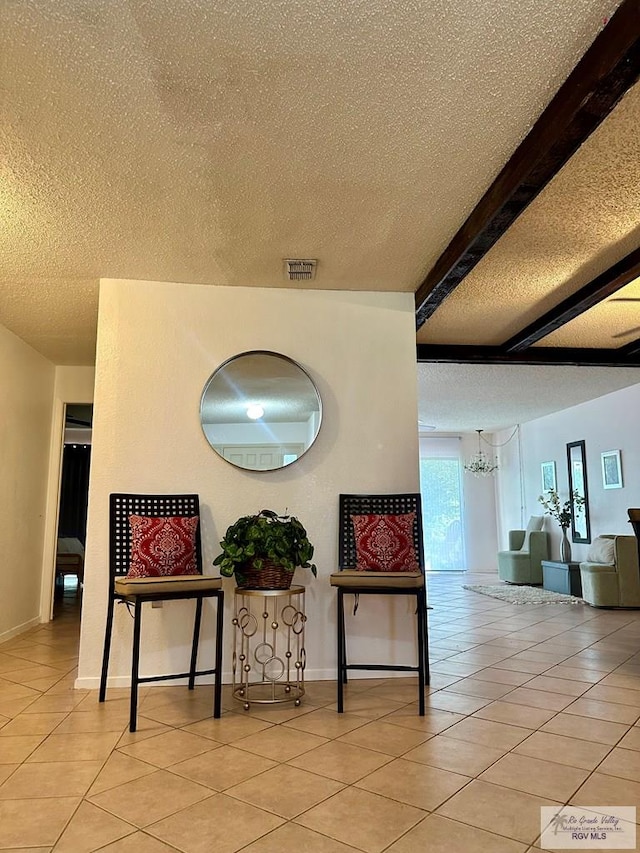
<point>27,382</point>
<point>607,423</point>
<point>157,346</point>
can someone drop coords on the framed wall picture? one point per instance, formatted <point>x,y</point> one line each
<point>548,473</point>
<point>611,469</point>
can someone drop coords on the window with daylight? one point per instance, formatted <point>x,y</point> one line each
<point>441,489</point>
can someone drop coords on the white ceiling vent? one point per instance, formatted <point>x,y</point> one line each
<point>300,270</point>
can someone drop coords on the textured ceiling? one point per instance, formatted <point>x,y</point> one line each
<point>205,140</point>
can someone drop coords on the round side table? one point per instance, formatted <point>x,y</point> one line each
<point>269,657</point>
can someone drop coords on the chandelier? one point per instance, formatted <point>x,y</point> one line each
<point>479,464</point>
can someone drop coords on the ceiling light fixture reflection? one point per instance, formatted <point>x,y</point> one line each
<point>255,411</point>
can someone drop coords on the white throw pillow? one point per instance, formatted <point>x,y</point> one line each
<point>601,551</point>
<point>535,523</point>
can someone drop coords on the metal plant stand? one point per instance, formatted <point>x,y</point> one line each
<point>269,657</point>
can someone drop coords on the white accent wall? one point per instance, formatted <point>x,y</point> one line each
<point>27,383</point>
<point>158,344</point>
<point>607,423</point>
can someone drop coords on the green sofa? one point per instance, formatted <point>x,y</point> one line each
<point>610,575</point>
<point>521,564</point>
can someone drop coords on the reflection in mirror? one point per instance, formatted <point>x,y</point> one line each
<point>577,463</point>
<point>260,411</point>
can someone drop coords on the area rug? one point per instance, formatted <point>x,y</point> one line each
<point>523,594</point>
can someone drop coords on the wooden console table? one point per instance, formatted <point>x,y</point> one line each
<point>562,577</point>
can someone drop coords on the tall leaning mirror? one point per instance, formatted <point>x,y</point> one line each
<point>260,411</point>
<point>577,465</point>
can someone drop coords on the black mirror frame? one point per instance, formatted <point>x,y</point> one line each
<point>575,537</point>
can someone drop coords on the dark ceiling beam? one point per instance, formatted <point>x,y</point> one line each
<point>631,350</point>
<point>583,357</point>
<point>601,287</point>
<point>609,67</point>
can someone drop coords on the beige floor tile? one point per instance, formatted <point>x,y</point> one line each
<point>274,714</point>
<point>6,770</point>
<point>117,770</point>
<point>144,729</point>
<point>279,744</point>
<point>397,692</point>
<point>385,737</point>
<point>441,835</point>
<point>488,733</point>
<point>612,790</point>
<point>290,837</point>
<point>538,699</point>
<point>138,842</point>
<point>52,703</point>
<point>564,686</point>
<point>363,704</point>
<point>504,676</point>
<point>622,762</point>
<point>534,776</point>
<point>433,722</point>
<point>459,756</point>
<point>90,829</point>
<point>219,823</point>
<point>151,798</point>
<point>31,673</point>
<point>17,748</point>
<point>362,819</point>
<point>180,714</point>
<point>616,679</point>
<point>619,695</point>
<point>481,689</point>
<point>632,739</point>
<point>447,667</point>
<point>21,825</point>
<point>285,791</point>
<point>64,779</point>
<point>603,710</point>
<point>229,728</point>
<point>489,807</point>
<point>94,746</point>
<point>585,728</point>
<point>222,768</point>
<point>169,748</point>
<point>78,722</point>
<point>32,724</point>
<point>415,784</point>
<point>563,750</point>
<point>515,715</point>
<point>591,676</point>
<point>326,723</point>
<point>341,761</point>
<point>443,700</point>
<point>530,666</point>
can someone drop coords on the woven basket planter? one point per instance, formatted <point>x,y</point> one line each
<point>270,576</point>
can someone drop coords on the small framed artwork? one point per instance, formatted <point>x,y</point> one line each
<point>548,472</point>
<point>611,469</point>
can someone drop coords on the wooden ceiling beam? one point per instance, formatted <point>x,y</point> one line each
<point>609,67</point>
<point>600,288</point>
<point>628,356</point>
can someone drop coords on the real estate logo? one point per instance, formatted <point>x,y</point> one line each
<point>588,828</point>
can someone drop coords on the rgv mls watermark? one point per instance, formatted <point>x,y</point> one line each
<point>588,828</point>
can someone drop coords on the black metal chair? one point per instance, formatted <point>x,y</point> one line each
<point>351,581</point>
<point>135,592</point>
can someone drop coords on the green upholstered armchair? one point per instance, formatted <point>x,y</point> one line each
<point>610,575</point>
<point>522,563</point>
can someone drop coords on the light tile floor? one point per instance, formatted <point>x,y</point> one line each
<point>528,706</point>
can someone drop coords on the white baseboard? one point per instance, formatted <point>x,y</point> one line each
<point>93,682</point>
<point>20,629</point>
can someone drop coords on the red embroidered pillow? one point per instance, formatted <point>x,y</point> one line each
<point>162,546</point>
<point>384,543</point>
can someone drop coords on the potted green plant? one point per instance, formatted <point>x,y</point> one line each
<point>563,514</point>
<point>263,550</point>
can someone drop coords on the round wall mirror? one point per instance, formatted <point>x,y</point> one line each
<point>260,411</point>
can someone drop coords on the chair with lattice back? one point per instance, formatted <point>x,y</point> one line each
<point>381,552</point>
<point>129,513</point>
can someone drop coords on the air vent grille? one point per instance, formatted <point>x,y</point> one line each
<point>300,270</point>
